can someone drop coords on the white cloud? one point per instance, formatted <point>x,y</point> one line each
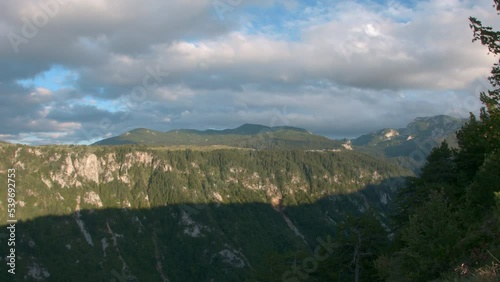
<point>376,61</point>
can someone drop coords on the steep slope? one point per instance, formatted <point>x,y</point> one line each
<point>162,215</point>
<point>245,136</point>
<point>412,144</point>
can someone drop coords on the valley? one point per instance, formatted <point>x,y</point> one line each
<point>185,215</point>
<point>253,203</point>
<point>250,141</point>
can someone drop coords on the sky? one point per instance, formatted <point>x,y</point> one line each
<point>77,71</point>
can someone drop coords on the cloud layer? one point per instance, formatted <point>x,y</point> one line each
<point>76,71</point>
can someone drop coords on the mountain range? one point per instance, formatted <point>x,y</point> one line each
<point>394,142</point>
<point>409,145</point>
<point>246,136</point>
<point>189,205</point>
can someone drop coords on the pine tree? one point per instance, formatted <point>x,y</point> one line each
<point>490,114</point>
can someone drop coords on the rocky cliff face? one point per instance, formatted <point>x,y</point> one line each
<point>143,214</point>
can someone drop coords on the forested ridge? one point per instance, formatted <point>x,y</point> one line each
<point>223,214</point>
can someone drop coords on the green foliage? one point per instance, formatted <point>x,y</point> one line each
<point>246,136</point>
<point>473,148</point>
<point>481,194</point>
<point>448,217</point>
<point>224,214</point>
<point>361,240</point>
<point>440,167</point>
<point>410,146</point>
<point>430,237</point>
<point>438,175</point>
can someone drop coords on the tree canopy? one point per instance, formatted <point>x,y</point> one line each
<point>448,218</point>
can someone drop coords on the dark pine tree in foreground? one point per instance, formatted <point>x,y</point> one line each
<point>448,219</point>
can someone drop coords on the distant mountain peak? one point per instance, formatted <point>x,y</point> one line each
<point>249,128</point>
<point>142,129</point>
<point>406,141</point>
<point>247,136</point>
<point>252,125</point>
<point>438,118</point>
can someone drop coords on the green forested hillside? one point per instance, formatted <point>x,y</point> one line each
<point>411,145</point>
<point>184,215</point>
<point>245,136</point>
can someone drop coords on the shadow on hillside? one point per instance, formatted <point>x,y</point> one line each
<point>184,242</point>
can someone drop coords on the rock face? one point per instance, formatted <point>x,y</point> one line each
<point>77,168</point>
<point>159,215</point>
<point>390,133</point>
